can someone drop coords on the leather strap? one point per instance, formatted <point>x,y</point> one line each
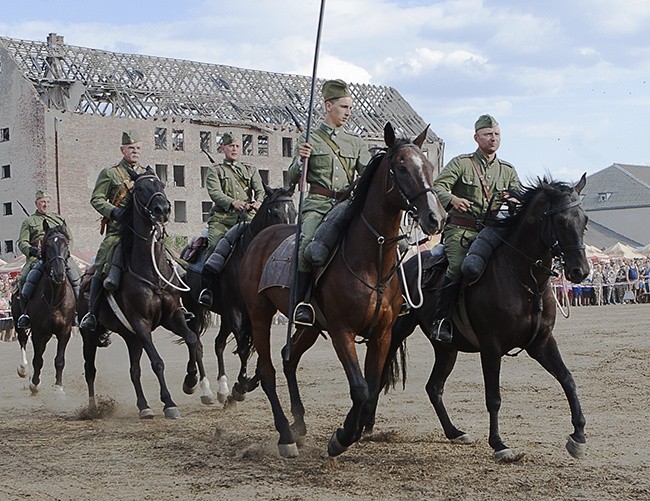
<point>481,179</point>
<point>319,190</point>
<point>337,152</point>
<point>465,222</point>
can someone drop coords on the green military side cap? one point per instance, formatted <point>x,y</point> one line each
<point>130,137</point>
<point>227,138</point>
<point>334,89</point>
<point>41,194</point>
<point>485,121</point>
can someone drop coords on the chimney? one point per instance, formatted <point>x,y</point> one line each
<point>54,39</point>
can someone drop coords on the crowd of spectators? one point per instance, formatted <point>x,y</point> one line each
<point>614,281</point>
<point>6,324</point>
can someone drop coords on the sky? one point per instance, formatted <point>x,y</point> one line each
<point>568,80</point>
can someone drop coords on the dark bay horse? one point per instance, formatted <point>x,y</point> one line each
<point>149,296</point>
<point>277,208</point>
<point>358,294</point>
<point>511,306</point>
<point>51,309</point>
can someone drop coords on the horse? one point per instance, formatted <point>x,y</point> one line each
<point>358,293</point>
<point>510,306</point>
<point>149,296</point>
<point>276,208</point>
<point>51,309</point>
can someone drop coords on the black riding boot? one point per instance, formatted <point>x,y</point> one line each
<point>23,320</point>
<point>304,312</point>
<point>442,328</point>
<point>205,297</point>
<point>89,321</point>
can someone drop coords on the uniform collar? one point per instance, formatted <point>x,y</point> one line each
<point>483,161</point>
<point>330,131</point>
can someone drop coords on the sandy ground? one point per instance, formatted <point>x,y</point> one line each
<point>47,452</point>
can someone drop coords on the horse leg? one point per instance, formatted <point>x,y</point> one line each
<point>22,369</point>
<point>491,364</point>
<point>135,371</point>
<point>219,347</point>
<point>301,341</point>
<point>90,370</point>
<point>241,327</point>
<point>346,351</point>
<point>548,355</point>
<point>266,372</point>
<point>177,325</point>
<point>158,366</point>
<point>59,360</point>
<point>39,343</point>
<point>445,360</point>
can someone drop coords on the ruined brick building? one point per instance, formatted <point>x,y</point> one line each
<point>63,108</point>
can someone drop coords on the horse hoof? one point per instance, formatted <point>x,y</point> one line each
<point>334,447</point>
<point>34,388</point>
<point>463,439</point>
<point>172,413</point>
<point>22,371</point>
<point>300,440</point>
<point>222,389</point>
<point>58,389</point>
<point>189,390</point>
<point>146,413</point>
<point>507,456</point>
<point>576,449</point>
<point>238,397</point>
<point>207,399</point>
<point>288,450</point>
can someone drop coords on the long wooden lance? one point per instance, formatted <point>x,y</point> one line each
<point>302,187</point>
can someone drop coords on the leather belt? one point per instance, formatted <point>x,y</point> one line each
<point>319,190</point>
<point>466,222</point>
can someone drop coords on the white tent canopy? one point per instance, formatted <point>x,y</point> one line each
<point>623,251</point>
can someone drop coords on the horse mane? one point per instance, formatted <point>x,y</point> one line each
<point>529,194</point>
<point>359,190</point>
<point>126,234</point>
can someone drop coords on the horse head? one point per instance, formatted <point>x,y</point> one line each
<point>149,198</point>
<point>412,175</point>
<point>566,224</point>
<point>55,252</point>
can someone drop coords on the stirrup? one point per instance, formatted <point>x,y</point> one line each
<point>205,298</point>
<point>24,322</point>
<point>88,322</point>
<point>405,309</point>
<point>443,336</point>
<point>304,314</point>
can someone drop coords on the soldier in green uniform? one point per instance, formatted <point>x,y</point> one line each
<point>465,187</point>
<point>109,197</point>
<point>335,157</point>
<point>236,190</point>
<point>29,242</point>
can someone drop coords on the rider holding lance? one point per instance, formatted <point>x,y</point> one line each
<point>334,157</point>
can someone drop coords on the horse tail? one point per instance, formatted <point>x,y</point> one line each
<point>203,320</point>
<point>395,366</point>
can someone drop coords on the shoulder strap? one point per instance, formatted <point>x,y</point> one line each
<point>126,187</point>
<point>337,151</point>
<point>481,179</point>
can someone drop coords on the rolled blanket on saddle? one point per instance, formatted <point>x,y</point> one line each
<point>480,250</point>
<point>328,233</point>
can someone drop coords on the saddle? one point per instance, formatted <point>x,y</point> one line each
<point>194,249</point>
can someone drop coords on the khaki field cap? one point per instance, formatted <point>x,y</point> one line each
<point>485,121</point>
<point>130,137</point>
<point>227,139</point>
<point>41,194</point>
<point>334,89</point>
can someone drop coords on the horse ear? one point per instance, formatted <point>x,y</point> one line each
<point>419,141</point>
<point>389,135</point>
<point>46,226</point>
<point>291,189</point>
<point>267,189</point>
<point>581,184</point>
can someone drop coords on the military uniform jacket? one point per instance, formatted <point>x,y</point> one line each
<point>32,232</point>
<point>230,181</point>
<point>326,168</point>
<point>113,189</point>
<point>459,178</point>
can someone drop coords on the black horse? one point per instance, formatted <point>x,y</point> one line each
<point>277,207</point>
<point>149,296</point>
<point>51,309</point>
<point>510,306</point>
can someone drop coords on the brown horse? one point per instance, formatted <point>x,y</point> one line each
<point>510,306</point>
<point>149,296</point>
<point>277,208</point>
<point>51,309</point>
<point>358,293</point>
